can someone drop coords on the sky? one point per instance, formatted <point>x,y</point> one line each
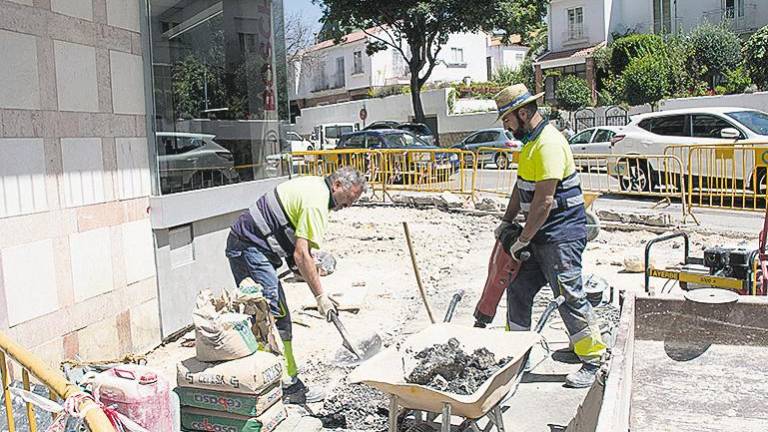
<point>310,11</point>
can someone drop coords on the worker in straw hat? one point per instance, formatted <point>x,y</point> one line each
<point>548,193</point>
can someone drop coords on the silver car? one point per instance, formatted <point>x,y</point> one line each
<point>493,137</point>
<point>189,161</point>
<point>593,141</point>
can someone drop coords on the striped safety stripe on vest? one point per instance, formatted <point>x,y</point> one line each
<point>567,195</point>
<point>271,203</point>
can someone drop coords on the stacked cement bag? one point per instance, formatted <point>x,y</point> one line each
<point>230,384</point>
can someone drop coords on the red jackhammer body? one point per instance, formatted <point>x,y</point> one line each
<point>502,270</point>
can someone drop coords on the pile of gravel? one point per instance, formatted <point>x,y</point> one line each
<point>356,407</point>
<point>447,367</point>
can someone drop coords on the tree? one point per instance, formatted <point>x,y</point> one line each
<point>418,29</point>
<point>627,48</point>
<point>713,51</point>
<point>300,36</point>
<point>572,93</point>
<point>646,80</point>
<point>756,57</point>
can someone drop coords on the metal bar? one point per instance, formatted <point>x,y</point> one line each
<point>393,413</point>
<point>446,423</point>
<point>30,408</point>
<point>95,418</point>
<point>6,393</point>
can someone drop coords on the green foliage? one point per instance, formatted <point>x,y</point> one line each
<point>755,52</point>
<point>720,90</point>
<point>507,76</point>
<point>713,50</point>
<point>736,81</point>
<point>646,80</point>
<point>190,78</point>
<point>424,26</point>
<point>451,101</point>
<point>573,93</point>
<point>605,98</point>
<point>630,47</point>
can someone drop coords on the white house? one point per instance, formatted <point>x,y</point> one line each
<point>510,55</point>
<point>331,73</point>
<point>578,27</point>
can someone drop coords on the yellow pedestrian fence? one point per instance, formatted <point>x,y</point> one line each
<point>60,388</point>
<point>715,176</point>
<point>656,176</point>
<point>495,170</point>
<point>419,170</point>
<point>728,176</point>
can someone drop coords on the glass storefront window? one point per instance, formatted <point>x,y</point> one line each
<point>215,97</point>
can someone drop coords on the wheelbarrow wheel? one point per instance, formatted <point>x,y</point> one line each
<point>593,225</point>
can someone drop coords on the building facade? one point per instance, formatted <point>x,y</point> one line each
<point>576,28</point>
<point>332,73</point>
<point>132,132</point>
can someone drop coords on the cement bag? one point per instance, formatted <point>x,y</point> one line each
<point>251,375</point>
<point>204,420</point>
<point>221,335</point>
<point>234,403</point>
<point>248,299</point>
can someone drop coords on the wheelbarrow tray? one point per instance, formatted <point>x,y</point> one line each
<point>385,371</point>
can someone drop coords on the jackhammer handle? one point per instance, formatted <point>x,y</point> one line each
<point>452,305</point>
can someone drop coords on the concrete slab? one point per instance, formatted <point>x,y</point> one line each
<point>19,82</point>
<point>76,77</point>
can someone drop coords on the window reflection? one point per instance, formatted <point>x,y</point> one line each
<point>214,91</point>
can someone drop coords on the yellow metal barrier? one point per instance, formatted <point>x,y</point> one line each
<point>419,170</point>
<point>728,176</point>
<point>59,387</point>
<point>496,170</point>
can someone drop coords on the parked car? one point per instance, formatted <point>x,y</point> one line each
<point>384,124</point>
<point>297,143</point>
<point>593,141</point>
<point>420,130</point>
<point>327,136</point>
<point>394,139</point>
<point>651,133</point>
<point>493,137</point>
<point>193,161</point>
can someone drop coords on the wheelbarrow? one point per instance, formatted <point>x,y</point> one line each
<point>385,372</point>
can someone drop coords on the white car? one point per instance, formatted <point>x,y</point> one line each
<point>593,141</point>
<point>190,161</point>
<point>297,143</point>
<point>652,133</point>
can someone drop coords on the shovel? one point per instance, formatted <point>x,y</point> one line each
<point>363,349</point>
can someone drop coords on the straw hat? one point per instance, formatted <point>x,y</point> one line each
<point>512,98</point>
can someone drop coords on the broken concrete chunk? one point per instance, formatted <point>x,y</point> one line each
<point>636,264</point>
<point>450,200</point>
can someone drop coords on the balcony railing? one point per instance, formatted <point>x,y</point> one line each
<point>575,33</point>
<point>739,19</point>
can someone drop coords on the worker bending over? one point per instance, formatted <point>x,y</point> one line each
<point>286,223</point>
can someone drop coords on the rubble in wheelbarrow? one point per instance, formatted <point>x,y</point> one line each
<point>447,367</point>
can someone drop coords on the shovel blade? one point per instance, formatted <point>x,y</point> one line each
<point>366,348</point>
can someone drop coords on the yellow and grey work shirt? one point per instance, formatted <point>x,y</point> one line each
<point>547,156</point>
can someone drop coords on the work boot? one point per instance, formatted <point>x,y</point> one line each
<point>584,377</point>
<point>298,393</point>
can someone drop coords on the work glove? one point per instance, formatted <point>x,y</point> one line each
<point>326,305</point>
<point>517,247</point>
<point>503,226</point>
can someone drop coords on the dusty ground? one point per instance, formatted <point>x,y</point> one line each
<point>374,271</point>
